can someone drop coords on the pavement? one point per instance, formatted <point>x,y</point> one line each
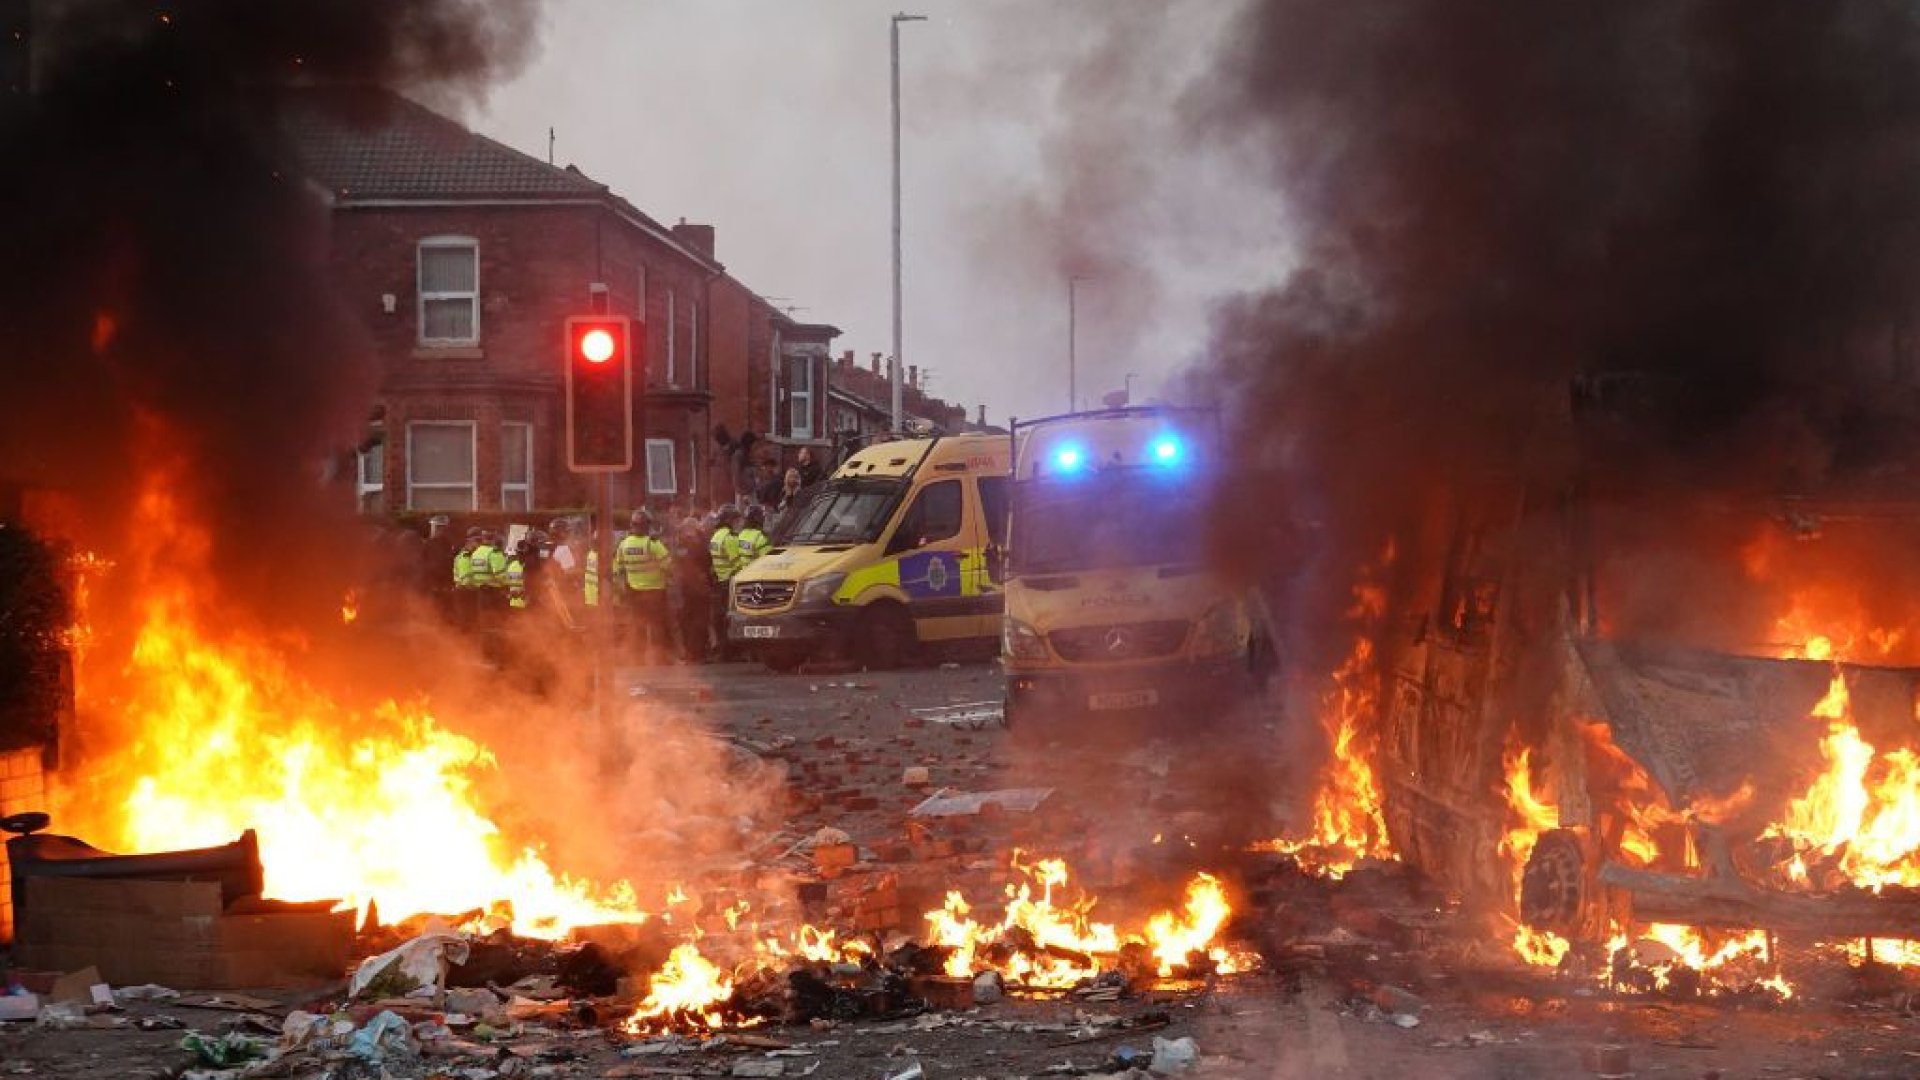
<point>1133,813</point>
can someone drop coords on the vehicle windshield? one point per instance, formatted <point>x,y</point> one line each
<point>1105,521</point>
<point>849,511</point>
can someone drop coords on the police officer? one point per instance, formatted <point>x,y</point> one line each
<point>515,576</point>
<point>723,547</point>
<point>641,565</point>
<point>752,541</point>
<point>466,597</point>
<point>723,552</point>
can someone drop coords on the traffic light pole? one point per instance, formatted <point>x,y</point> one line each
<point>603,666</point>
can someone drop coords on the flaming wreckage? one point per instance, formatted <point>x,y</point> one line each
<point>1697,711</point>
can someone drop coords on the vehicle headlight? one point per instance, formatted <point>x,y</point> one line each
<point>1022,642</point>
<point>1218,630</point>
<point>815,592</point>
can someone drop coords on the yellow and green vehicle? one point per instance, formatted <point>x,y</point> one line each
<point>889,555</point>
<point>1111,610</point>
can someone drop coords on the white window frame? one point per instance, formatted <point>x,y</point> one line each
<point>673,311</point>
<point>420,288</point>
<point>473,451</point>
<point>362,487</point>
<point>666,446</point>
<point>793,394</point>
<point>506,486</point>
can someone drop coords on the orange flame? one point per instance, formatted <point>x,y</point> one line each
<point>1348,823</point>
<point>218,735</point>
<point>1046,940</point>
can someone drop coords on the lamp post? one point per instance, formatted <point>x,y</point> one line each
<point>893,371</point>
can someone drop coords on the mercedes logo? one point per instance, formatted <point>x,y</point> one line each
<point>1118,643</point>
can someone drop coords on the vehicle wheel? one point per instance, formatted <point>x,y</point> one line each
<point>783,659</point>
<point>884,637</point>
<point>1560,887</point>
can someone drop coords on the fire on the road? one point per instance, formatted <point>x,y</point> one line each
<point>215,734</point>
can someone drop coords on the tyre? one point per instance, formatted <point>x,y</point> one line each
<point>884,638</point>
<point>1560,888</point>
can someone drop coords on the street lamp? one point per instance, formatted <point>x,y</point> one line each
<point>1073,319</point>
<point>894,369</point>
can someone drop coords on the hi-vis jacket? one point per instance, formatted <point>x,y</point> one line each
<point>753,544</point>
<point>724,549</point>
<point>643,560</point>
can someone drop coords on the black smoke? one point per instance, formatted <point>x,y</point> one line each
<point>164,290</point>
<point>1508,210</point>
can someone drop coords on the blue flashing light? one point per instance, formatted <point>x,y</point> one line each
<point>1166,450</point>
<point>1068,459</point>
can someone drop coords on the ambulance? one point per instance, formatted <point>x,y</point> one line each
<point>1111,610</point>
<point>886,557</point>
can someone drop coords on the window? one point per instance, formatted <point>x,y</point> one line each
<point>660,479</point>
<point>370,484</point>
<point>993,503</point>
<point>440,465</point>
<point>516,466</point>
<point>673,331</point>
<point>640,296</point>
<point>693,344</point>
<point>933,517</point>
<point>449,290</point>
<point>800,396</point>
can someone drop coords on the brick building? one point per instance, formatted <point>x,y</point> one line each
<point>465,257</point>
<point>860,401</point>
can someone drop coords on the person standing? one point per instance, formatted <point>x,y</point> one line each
<point>515,576</point>
<point>693,576</point>
<point>751,539</point>
<point>807,467</point>
<point>436,554</point>
<point>723,554</point>
<point>641,565</point>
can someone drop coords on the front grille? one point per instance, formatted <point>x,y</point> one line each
<point>1121,641</point>
<point>762,595</point>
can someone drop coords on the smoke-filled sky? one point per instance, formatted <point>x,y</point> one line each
<point>1041,139</point>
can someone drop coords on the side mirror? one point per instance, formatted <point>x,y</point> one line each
<point>996,563</point>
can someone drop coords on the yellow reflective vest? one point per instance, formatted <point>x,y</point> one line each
<point>724,550</point>
<point>593,577</point>
<point>463,570</point>
<point>643,561</point>
<point>753,544</point>
<point>480,567</point>
<point>516,577</point>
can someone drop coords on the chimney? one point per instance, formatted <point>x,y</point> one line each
<point>913,376</point>
<point>983,415</point>
<point>846,360</point>
<point>876,363</point>
<point>697,237</point>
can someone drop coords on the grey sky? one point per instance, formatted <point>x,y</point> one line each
<point>1039,137</point>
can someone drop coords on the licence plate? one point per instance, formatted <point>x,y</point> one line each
<point>1124,699</point>
<point>759,631</point>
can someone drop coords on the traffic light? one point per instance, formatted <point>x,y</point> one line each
<point>599,393</point>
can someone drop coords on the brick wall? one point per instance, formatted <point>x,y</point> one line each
<point>536,263</point>
<point>23,787</point>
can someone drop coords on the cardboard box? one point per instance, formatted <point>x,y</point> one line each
<point>177,934</point>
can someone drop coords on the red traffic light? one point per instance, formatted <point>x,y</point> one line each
<point>596,346</point>
<point>599,386</point>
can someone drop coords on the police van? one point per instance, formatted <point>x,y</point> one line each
<point>1111,609</point>
<point>888,555</point>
